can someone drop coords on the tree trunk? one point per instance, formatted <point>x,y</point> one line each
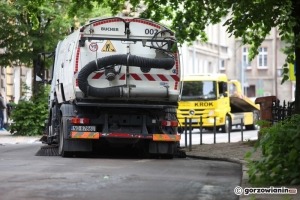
<point>34,84</point>
<point>297,90</point>
<point>296,15</point>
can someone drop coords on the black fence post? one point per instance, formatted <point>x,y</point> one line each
<point>242,129</point>
<point>282,111</point>
<point>190,127</point>
<point>215,130</point>
<point>201,129</point>
<point>229,130</point>
<point>185,131</point>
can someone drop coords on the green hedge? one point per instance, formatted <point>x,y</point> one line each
<point>29,115</point>
<point>280,162</point>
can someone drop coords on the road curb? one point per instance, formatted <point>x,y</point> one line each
<point>244,178</point>
<point>217,159</point>
<point>7,138</point>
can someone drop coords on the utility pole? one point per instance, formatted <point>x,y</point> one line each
<point>243,79</point>
<point>275,61</point>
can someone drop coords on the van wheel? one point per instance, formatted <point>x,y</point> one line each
<point>226,128</point>
<point>253,126</point>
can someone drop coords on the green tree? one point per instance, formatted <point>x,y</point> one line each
<point>28,28</point>
<point>250,20</point>
<point>24,35</point>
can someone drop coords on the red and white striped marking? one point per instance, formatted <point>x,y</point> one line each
<point>128,20</point>
<point>177,70</point>
<point>77,64</point>
<point>99,135</point>
<point>142,77</point>
<point>77,60</point>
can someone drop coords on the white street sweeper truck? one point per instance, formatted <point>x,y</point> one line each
<point>115,82</point>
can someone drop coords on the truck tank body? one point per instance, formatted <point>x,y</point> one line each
<point>116,81</point>
<point>107,62</point>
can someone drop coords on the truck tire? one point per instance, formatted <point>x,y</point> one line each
<point>53,124</point>
<point>226,128</point>
<point>54,128</point>
<point>180,130</point>
<point>253,126</point>
<point>62,140</point>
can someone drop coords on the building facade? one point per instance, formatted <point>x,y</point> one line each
<point>262,76</point>
<point>13,80</point>
<point>259,77</point>
<point>212,56</point>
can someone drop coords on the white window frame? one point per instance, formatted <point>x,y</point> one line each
<point>245,58</point>
<point>262,58</point>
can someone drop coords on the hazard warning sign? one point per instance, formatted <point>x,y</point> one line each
<point>108,47</point>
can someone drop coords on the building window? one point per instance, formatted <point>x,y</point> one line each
<point>251,91</point>
<point>222,65</point>
<point>245,58</point>
<point>279,72</point>
<point>263,57</point>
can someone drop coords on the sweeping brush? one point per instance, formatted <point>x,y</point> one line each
<point>48,150</point>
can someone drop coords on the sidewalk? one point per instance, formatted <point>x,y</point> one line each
<point>6,138</point>
<point>234,152</point>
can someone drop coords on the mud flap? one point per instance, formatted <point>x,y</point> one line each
<point>162,148</point>
<point>73,145</point>
<point>78,145</point>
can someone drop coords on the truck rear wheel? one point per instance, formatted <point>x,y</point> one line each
<point>62,140</point>
<point>226,128</point>
<point>54,125</point>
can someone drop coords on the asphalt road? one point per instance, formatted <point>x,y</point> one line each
<point>24,176</point>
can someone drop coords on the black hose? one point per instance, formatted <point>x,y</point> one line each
<point>122,59</point>
<point>158,63</point>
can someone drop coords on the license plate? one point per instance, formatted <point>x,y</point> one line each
<point>83,128</point>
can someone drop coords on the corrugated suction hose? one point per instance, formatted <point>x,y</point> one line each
<point>122,59</point>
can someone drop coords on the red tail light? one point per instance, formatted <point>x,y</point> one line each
<point>77,120</point>
<point>169,123</point>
